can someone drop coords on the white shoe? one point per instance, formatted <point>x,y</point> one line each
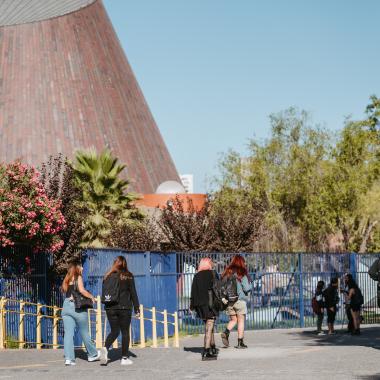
<point>94,358</point>
<point>104,356</point>
<point>126,361</point>
<point>69,362</point>
<point>321,333</point>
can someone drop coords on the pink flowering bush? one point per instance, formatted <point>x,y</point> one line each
<point>27,214</point>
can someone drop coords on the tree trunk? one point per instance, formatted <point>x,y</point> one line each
<point>366,236</point>
<point>346,236</point>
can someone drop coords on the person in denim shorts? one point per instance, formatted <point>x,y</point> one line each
<point>238,310</point>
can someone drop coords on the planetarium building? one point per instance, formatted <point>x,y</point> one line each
<point>66,84</point>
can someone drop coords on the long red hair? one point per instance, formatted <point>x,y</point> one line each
<point>73,272</point>
<point>119,266</point>
<point>237,266</point>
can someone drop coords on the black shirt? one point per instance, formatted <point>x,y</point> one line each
<point>331,296</point>
<point>127,296</point>
<point>70,290</point>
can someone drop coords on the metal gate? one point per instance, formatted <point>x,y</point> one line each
<point>283,285</point>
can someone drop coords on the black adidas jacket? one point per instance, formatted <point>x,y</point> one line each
<point>128,296</point>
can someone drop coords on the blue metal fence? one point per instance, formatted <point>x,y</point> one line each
<point>282,283</point>
<point>155,278</point>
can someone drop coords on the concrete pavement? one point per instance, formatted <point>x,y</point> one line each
<point>272,354</point>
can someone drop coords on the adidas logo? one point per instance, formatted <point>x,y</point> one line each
<point>107,298</point>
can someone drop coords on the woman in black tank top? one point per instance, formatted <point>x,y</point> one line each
<point>76,318</point>
<point>69,291</point>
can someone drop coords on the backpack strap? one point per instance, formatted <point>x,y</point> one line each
<point>213,279</point>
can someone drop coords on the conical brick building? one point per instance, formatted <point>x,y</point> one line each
<point>66,84</point>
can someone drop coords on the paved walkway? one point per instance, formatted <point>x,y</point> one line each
<point>275,354</point>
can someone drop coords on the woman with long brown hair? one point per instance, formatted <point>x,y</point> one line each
<point>72,317</point>
<point>119,313</point>
<point>237,270</point>
<point>200,303</point>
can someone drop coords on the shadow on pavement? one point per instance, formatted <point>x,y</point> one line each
<point>376,376</point>
<point>196,350</point>
<point>370,337</point>
<point>113,355</point>
<point>81,354</point>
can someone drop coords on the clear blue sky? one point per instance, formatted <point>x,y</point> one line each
<point>213,70</point>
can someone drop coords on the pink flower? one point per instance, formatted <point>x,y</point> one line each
<point>26,210</point>
<point>31,214</point>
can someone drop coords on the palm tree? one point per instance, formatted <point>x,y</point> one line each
<point>104,195</point>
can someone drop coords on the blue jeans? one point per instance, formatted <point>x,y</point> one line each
<point>74,318</point>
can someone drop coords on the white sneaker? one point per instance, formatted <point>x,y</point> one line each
<point>321,333</point>
<point>104,356</point>
<point>69,362</point>
<point>126,361</point>
<point>94,358</point>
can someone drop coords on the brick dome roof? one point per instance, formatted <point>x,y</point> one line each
<point>66,84</point>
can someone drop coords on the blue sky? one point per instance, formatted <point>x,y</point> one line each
<point>213,70</point>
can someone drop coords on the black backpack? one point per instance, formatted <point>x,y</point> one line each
<point>111,290</point>
<point>230,286</point>
<point>218,296</point>
<point>223,293</point>
<point>358,298</point>
<point>374,270</point>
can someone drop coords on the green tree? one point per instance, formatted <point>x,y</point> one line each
<point>104,196</point>
<point>357,157</point>
<point>286,173</point>
<point>316,185</point>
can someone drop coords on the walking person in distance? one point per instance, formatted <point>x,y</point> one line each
<point>374,273</point>
<point>331,301</point>
<point>318,304</point>
<point>201,302</point>
<point>74,317</point>
<point>236,272</point>
<point>120,298</point>
<point>345,290</point>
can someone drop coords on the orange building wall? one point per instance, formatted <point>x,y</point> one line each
<point>161,200</point>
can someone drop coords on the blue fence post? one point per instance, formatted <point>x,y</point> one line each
<point>86,267</point>
<point>148,280</point>
<point>302,306</point>
<point>353,259</point>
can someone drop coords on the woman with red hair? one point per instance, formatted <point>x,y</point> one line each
<point>237,271</point>
<point>200,303</point>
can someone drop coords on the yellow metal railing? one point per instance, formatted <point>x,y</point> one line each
<point>97,322</point>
